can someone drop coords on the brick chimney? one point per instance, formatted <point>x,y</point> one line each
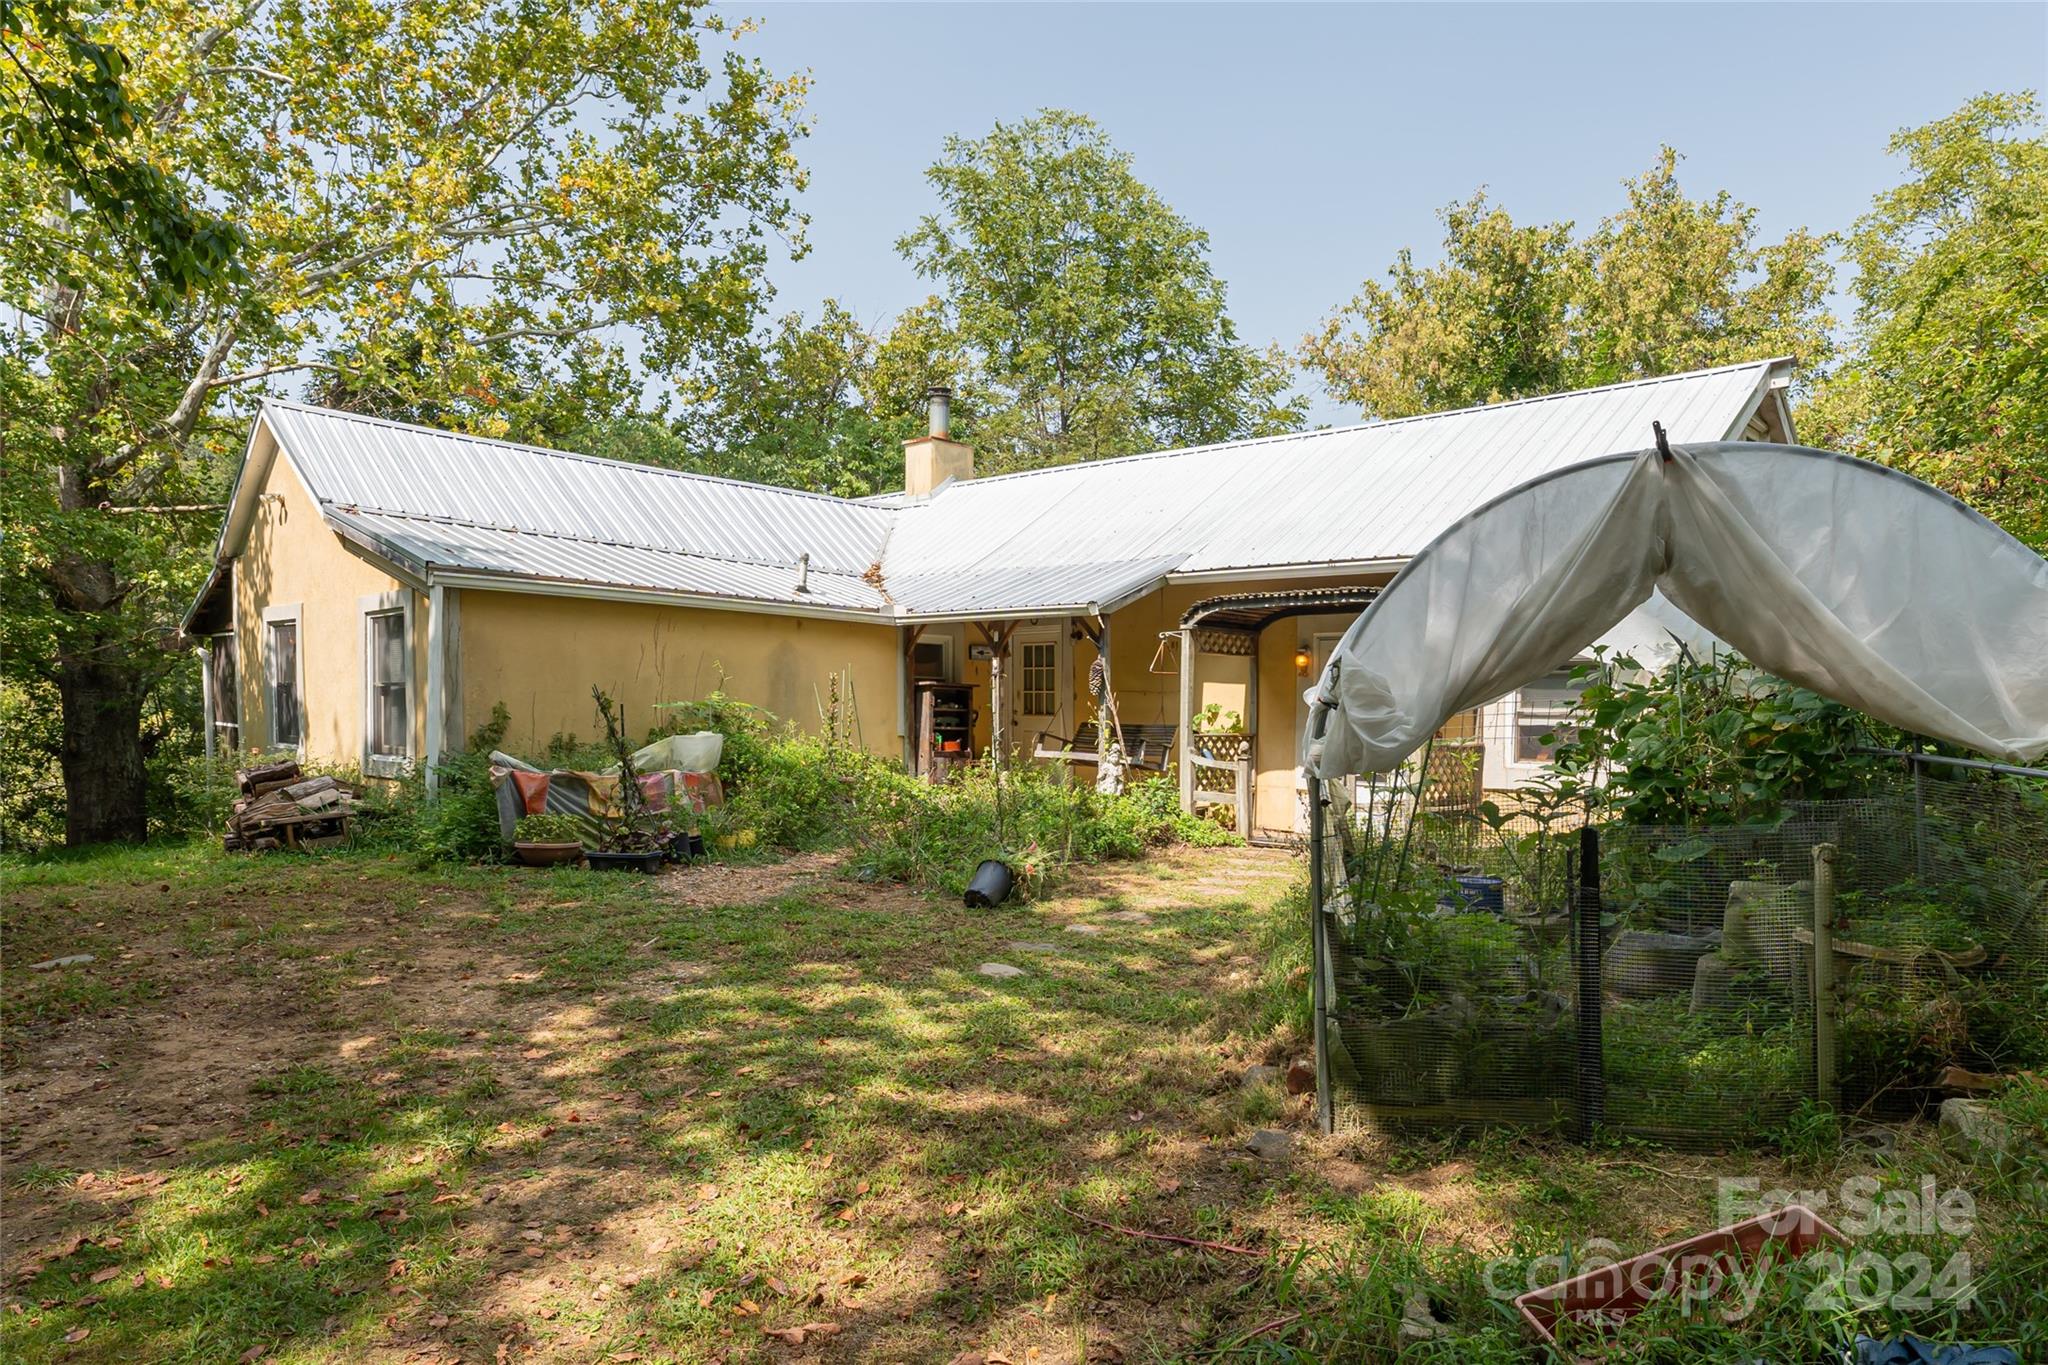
<point>934,458</point>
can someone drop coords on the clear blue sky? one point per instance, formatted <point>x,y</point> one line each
<point>1314,141</point>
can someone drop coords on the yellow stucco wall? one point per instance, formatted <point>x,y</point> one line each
<point>294,558</point>
<point>540,655</point>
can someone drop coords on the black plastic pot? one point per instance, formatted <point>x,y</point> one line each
<point>626,862</point>
<point>991,885</point>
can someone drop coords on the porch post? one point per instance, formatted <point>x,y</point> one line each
<point>998,704</point>
<point>1248,765</point>
<point>437,682</point>
<point>1187,716</point>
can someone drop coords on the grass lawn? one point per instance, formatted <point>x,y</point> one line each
<point>340,1109</point>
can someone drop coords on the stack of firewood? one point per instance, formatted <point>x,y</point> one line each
<point>280,807</point>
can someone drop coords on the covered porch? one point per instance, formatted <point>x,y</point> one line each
<point>1204,686</point>
<point>1239,731</point>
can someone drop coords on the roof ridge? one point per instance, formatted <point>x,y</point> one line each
<point>686,474</point>
<point>357,509</point>
<point>1246,442</point>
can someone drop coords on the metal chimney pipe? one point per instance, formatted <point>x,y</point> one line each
<point>803,572</point>
<point>941,400</point>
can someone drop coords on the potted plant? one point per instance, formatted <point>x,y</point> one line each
<point>629,839</point>
<point>547,840</point>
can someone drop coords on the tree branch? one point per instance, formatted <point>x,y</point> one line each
<point>289,367</point>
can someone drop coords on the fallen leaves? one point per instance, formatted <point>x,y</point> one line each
<point>797,1336</point>
<point>105,1273</point>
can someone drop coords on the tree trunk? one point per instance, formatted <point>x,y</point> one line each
<point>103,777</point>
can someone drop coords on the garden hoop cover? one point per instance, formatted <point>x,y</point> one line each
<point>1859,582</point>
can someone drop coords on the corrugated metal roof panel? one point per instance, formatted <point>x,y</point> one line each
<point>1063,537</point>
<point>1375,492</point>
<point>448,546</point>
<point>377,466</point>
<point>1022,590</point>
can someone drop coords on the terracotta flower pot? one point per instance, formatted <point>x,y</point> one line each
<point>535,854</point>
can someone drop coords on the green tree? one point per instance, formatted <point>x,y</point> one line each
<point>1666,284</point>
<point>1085,307</point>
<point>1947,378</point>
<point>65,106</point>
<point>478,206</point>
<point>803,412</point>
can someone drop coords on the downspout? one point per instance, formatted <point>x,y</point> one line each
<point>437,680</point>
<point>206,704</point>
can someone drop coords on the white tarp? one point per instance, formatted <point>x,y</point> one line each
<point>1857,581</point>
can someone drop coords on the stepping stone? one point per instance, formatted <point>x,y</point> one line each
<point>1129,917</point>
<point>1032,947</point>
<point>1270,1144</point>
<point>999,970</point>
<point>1084,928</point>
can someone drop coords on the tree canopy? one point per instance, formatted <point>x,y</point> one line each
<point>1666,284</point>
<point>1948,375</point>
<point>1084,309</point>
<point>494,212</point>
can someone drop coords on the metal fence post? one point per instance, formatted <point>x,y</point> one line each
<point>1319,952</point>
<point>1592,1073</point>
<point>1919,816</point>
<point>1824,1080</point>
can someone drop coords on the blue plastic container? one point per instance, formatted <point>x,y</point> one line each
<point>1480,893</point>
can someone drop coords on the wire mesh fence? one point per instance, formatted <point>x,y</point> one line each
<point>1484,958</point>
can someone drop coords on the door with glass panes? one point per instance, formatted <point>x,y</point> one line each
<point>1038,687</point>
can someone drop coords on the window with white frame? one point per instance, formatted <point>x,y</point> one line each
<point>387,683</point>
<point>1543,712</point>
<point>283,697</point>
<point>223,688</point>
<point>1038,676</point>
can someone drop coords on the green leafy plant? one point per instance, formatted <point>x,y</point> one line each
<point>548,829</point>
<point>1709,742</point>
<point>1212,719</point>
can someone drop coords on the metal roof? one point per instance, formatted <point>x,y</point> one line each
<point>1255,610</point>
<point>1359,494</point>
<point>1083,537</point>
<point>369,465</point>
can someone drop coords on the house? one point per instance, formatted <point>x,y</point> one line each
<point>379,588</point>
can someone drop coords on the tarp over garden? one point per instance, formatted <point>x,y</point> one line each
<point>1859,582</point>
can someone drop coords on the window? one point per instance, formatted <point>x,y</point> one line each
<point>1542,710</point>
<point>227,701</point>
<point>387,683</point>
<point>282,675</point>
<point>1038,674</point>
<point>389,733</point>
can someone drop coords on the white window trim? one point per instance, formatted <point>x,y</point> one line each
<point>368,607</point>
<point>294,612</point>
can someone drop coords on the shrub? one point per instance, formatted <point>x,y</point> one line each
<point>936,836</point>
<point>1713,742</point>
<point>548,829</point>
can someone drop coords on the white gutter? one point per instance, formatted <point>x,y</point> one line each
<point>1339,569</point>
<point>557,587</point>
